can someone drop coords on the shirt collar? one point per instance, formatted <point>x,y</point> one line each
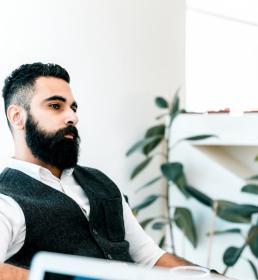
<point>36,171</point>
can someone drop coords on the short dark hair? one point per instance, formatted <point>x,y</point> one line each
<point>19,86</point>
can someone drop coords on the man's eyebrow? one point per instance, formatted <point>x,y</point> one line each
<point>60,98</point>
<point>55,97</point>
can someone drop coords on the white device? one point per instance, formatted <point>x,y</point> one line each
<point>81,268</point>
<point>59,266</point>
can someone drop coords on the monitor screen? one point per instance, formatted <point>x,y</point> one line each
<point>59,276</point>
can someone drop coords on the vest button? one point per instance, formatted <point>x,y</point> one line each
<point>94,231</point>
<point>109,256</point>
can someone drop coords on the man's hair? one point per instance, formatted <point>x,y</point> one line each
<point>19,86</point>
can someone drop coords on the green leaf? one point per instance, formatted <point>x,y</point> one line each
<point>175,105</point>
<point>254,177</point>
<point>250,188</point>
<point>256,158</point>
<point>145,222</point>
<point>151,146</point>
<point>172,170</point>
<point>155,130</point>
<point>181,183</point>
<point>161,102</point>
<point>232,230</point>
<point>232,254</point>
<point>184,221</point>
<point>162,241</point>
<point>158,225</point>
<point>237,213</point>
<point>147,202</point>
<point>200,196</point>
<point>254,269</point>
<point>199,137</point>
<point>253,243</point>
<point>140,144</point>
<point>150,183</point>
<point>140,167</point>
<point>159,132</point>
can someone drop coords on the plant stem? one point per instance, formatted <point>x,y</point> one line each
<point>170,222</point>
<point>183,243</point>
<point>212,227</point>
<point>225,271</point>
<point>159,154</point>
<point>168,201</point>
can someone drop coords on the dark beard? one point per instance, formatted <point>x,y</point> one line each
<point>53,148</point>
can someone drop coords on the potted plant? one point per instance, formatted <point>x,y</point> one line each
<point>156,143</point>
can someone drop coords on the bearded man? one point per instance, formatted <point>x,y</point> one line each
<point>47,201</point>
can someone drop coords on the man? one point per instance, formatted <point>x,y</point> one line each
<point>47,201</point>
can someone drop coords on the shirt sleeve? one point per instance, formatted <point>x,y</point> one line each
<point>12,227</point>
<point>142,248</point>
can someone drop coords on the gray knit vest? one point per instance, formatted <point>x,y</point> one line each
<point>55,223</point>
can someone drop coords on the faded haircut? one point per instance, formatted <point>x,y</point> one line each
<point>19,86</point>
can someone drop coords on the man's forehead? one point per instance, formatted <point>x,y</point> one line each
<point>46,87</point>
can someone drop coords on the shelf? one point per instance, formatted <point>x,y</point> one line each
<point>235,146</point>
<point>231,131</point>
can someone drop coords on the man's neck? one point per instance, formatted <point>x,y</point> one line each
<point>30,158</point>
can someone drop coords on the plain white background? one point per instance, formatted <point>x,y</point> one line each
<point>120,55</point>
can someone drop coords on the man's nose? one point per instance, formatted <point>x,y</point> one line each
<point>71,118</point>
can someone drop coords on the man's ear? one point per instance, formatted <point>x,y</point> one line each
<point>16,116</point>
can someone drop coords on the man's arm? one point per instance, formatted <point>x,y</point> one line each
<point>168,260</point>
<point>11,272</point>
<point>12,235</point>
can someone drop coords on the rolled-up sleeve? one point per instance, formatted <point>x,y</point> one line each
<point>143,249</point>
<point>12,227</point>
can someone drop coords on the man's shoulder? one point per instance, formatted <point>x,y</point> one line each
<point>6,173</point>
<point>9,179</point>
<point>93,173</point>
<point>89,170</point>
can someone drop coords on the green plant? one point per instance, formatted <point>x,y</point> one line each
<point>172,173</point>
<point>156,143</point>
<point>236,213</point>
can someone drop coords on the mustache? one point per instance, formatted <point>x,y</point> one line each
<point>60,135</point>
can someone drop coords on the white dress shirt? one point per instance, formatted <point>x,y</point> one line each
<point>142,248</point>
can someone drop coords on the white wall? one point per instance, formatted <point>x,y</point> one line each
<point>120,54</point>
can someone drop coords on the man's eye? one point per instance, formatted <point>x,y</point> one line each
<point>54,106</point>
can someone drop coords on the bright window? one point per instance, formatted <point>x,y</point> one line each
<point>221,55</point>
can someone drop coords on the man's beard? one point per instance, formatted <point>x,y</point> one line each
<point>53,148</point>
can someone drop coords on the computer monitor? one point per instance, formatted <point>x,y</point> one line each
<point>53,266</point>
<point>48,266</point>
